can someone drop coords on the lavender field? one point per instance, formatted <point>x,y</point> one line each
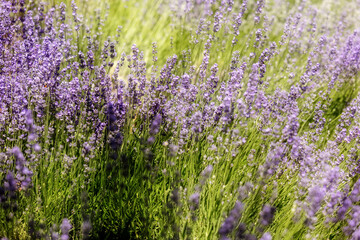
<point>180,119</point>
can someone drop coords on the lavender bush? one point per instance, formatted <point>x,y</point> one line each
<point>200,119</point>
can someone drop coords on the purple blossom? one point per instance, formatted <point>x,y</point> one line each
<point>231,221</point>
<point>194,200</point>
<point>155,125</point>
<point>267,215</point>
<point>65,229</point>
<point>266,236</point>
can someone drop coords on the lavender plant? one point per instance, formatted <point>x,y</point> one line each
<point>179,120</point>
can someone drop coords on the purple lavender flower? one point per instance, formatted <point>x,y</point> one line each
<point>65,229</point>
<point>155,125</point>
<point>266,236</point>
<point>315,198</point>
<point>231,221</point>
<point>10,182</point>
<point>260,5</point>
<point>217,21</point>
<point>194,200</point>
<point>267,215</point>
<point>23,173</point>
<point>85,229</point>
